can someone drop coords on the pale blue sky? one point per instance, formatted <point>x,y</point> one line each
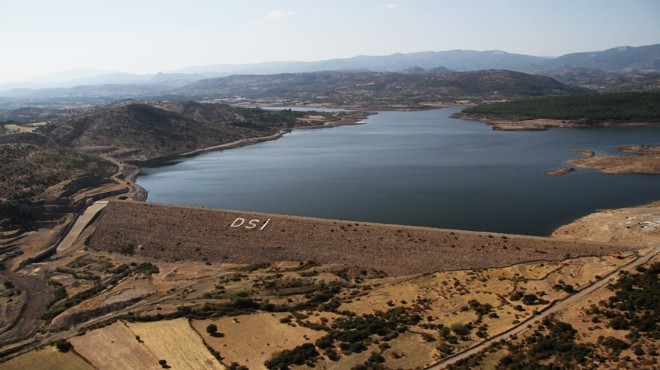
<point>146,36</point>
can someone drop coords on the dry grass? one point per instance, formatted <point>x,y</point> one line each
<point>250,340</point>
<point>409,351</point>
<point>114,348</point>
<point>47,358</point>
<point>176,342</point>
<point>449,293</point>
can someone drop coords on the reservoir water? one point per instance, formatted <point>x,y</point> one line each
<point>413,168</point>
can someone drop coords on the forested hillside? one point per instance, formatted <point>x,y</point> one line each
<point>620,107</point>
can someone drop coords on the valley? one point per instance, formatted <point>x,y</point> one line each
<point>95,277</point>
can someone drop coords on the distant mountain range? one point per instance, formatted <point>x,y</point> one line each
<point>625,59</point>
<point>621,59</point>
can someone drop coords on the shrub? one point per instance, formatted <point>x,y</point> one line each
<point>460,329</point>
<point>63,346</point>
<point>296,356</point>
<point>212,329</point>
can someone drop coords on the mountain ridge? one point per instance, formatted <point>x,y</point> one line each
<point>620,59</point>
<point>377,90</point>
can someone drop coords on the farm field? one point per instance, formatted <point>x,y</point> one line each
<point>120,351</point>
<point>47,358</point>
<point>251,340</point>
<point>177,343</point>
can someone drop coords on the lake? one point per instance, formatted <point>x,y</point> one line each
<point>413,168</point>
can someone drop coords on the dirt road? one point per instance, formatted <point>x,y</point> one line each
<point>553,308</point>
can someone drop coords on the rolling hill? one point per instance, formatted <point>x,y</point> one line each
<point>622,107</point>
<point>380,90</point>
<point>621,59</point>
<point>141,131</point>
<point>35,171</point>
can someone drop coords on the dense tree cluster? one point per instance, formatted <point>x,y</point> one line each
<point>552,348</point>
<point>619,107</point>
<point>636,302</point>
<point>297,356</point>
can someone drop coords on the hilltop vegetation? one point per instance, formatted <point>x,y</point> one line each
<point>27,169</point>
<point>34,114</point>
<point>34,169</point>
<point>618,107</point>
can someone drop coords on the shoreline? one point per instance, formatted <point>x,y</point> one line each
<point>231,145</point>
<point>356,119</point>
<point>644,159</point>
<point>543,124</point>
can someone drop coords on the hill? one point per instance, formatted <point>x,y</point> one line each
<point>47,175</point>
<point>620,59</point>
<point>34,114</point>
<point>378,90</point>
<point>34,171</point>
<point>143,131</point>
<point>599,80</point>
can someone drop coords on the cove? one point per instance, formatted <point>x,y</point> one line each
<point>413,168</point>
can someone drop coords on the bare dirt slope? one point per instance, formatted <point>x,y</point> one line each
<point>185,233</point>
<point>624,226</point>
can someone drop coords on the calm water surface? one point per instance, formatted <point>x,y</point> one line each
<point>413,168</point>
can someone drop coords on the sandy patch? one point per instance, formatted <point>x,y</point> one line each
<point>624,226</point>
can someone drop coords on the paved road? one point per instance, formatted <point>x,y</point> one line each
<point>553,308</point>
<point>80,225</point>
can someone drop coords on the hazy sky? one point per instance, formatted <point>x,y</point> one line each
<point>146,36</point>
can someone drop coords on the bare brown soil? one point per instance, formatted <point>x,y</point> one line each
<point>624,226</point>
<point>646,162</point>
<point>184,233</point>
<point>560,171</point>
<point>586,153</point>
<point>540,124</point>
